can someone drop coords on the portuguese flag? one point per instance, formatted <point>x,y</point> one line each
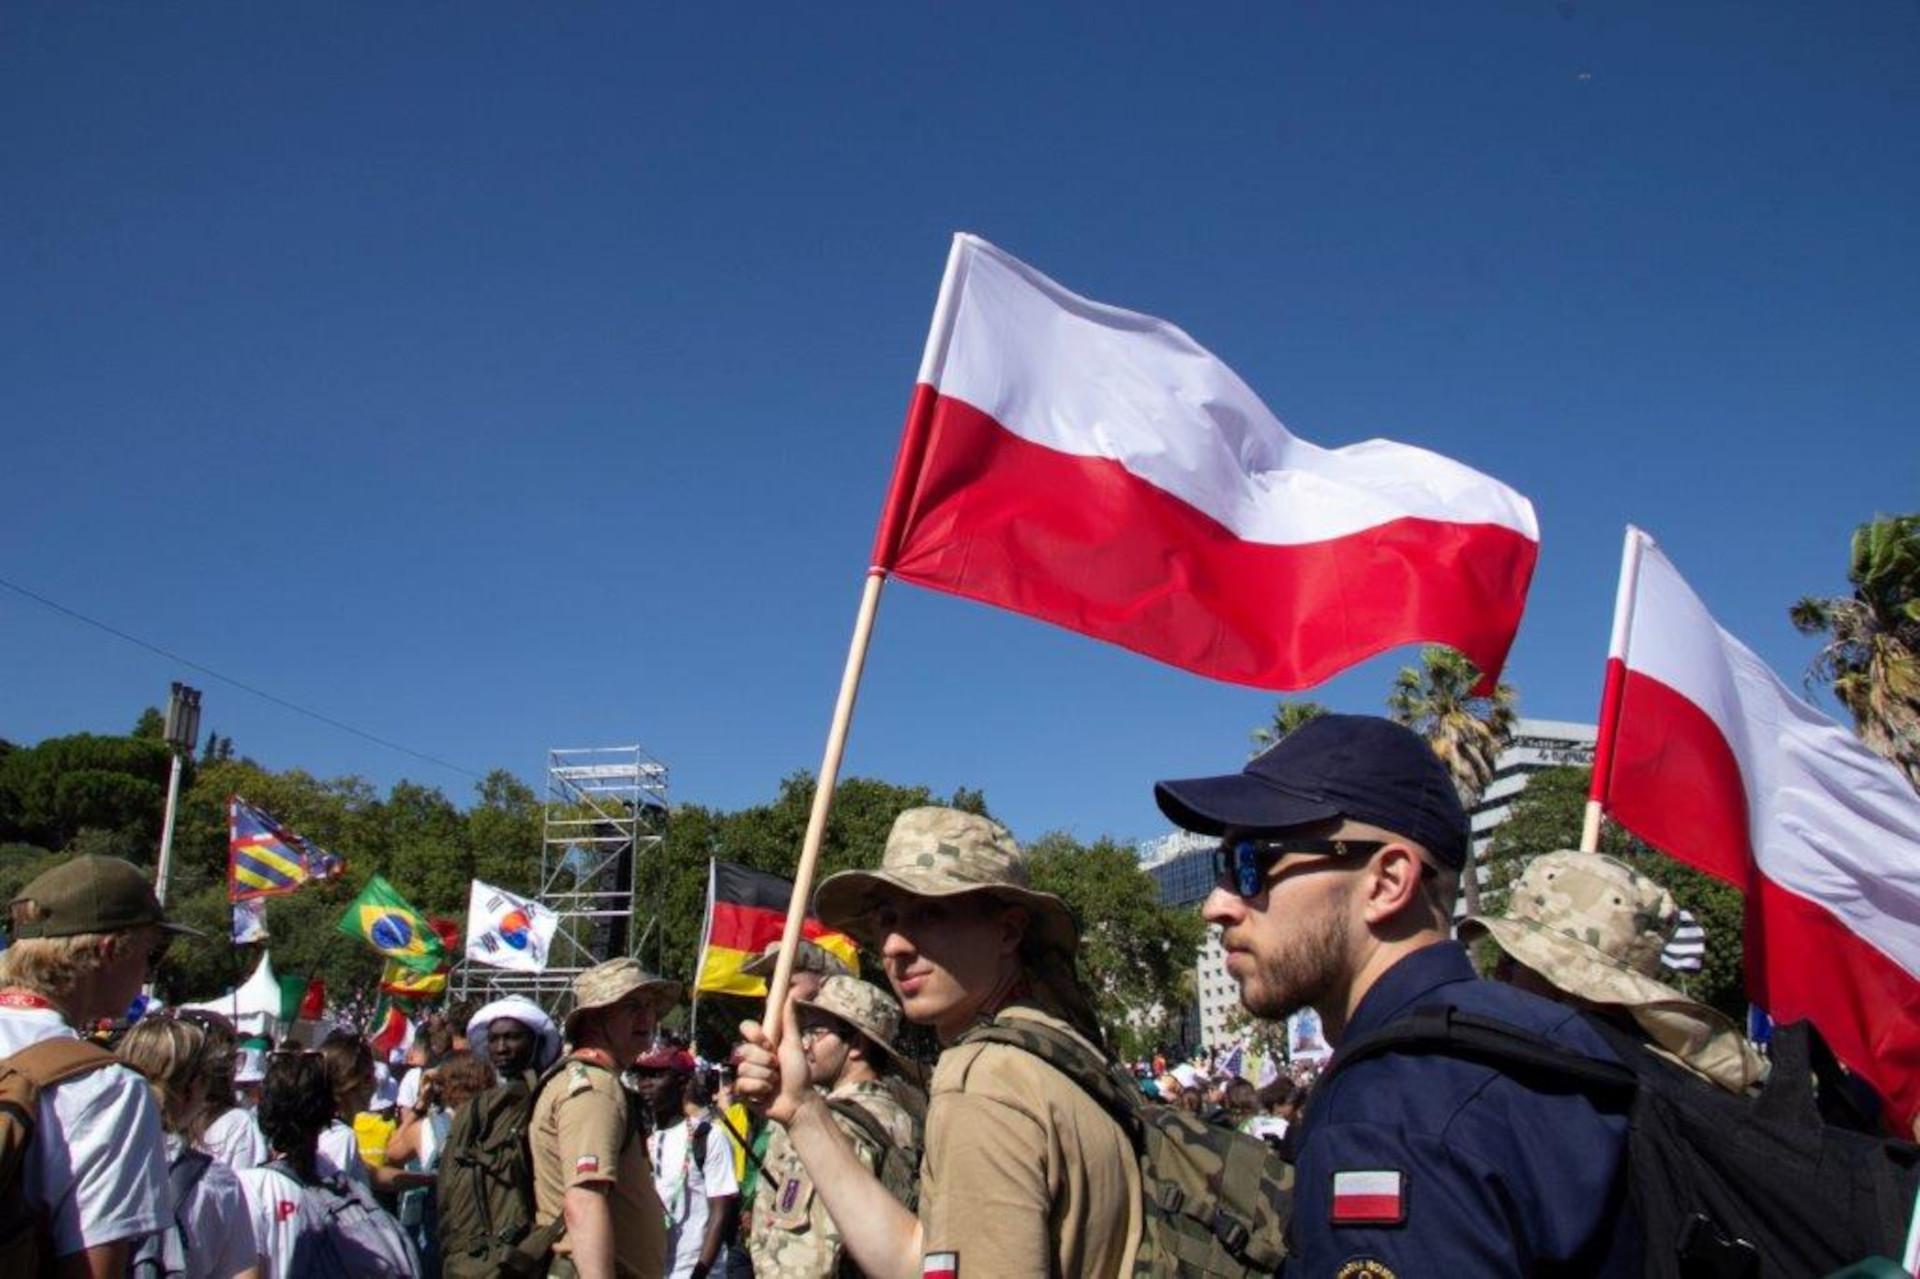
<point>746,910</point>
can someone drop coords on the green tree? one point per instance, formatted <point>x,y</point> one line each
<point>1547,816</point>
<point>1871,657</point>
<point>1136,955</point>
<point>1289,713</point>
<point>150,724</point>
<point>1467,730</point>
<point>49,793</point>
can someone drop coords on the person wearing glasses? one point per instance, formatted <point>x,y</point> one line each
<point>85,935</point>
<point>1024,1173</point>
<point>1341,851</point>
<point>847,1031</point>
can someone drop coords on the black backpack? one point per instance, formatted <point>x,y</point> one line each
<point>1216,1201</point>
<point>1725,1187</point>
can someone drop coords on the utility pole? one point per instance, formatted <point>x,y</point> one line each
<point>183,730</point>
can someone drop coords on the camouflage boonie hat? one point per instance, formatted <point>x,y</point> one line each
<point>863,1006</point>
<point>810,957</point>
<point>1594,927</point>
<point>943,852</point>
<point>607,984</point>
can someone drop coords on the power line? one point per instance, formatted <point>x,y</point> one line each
<point>242,685</point>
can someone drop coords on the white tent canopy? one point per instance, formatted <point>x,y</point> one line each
<point>254,1006</point>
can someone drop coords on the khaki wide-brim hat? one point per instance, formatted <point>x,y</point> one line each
<point>811,957</point>
<point>865,1007</point>
<point>607,984</point>
<point>1593,927</point>
<point>944,852</point>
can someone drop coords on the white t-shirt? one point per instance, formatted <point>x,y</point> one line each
<point>235,1139</point>
<point>217,1223</point>
<point>284,1212</point>
<point>97,1167</point>
<point>339,1154</point>
<point>685,1189</point>
<point>409,1089</point>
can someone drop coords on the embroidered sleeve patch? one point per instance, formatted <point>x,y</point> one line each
<point>586,1163</point>
<point>1365,1268</point>
<point>1372,1198</point>
<point>940,1265</point>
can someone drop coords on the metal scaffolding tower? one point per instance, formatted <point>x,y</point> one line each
<point>606,808</point>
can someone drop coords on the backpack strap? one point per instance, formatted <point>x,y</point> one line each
<point>857,1115</point>
<point>1485,1041</point>
<point>53,1061</point>
<point>1082,1065</point>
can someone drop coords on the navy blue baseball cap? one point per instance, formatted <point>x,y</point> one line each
<point>1357,767</point>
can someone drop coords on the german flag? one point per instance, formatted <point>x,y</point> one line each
<point>747,909</point>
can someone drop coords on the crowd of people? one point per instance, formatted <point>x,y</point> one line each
<point>510,1142</point>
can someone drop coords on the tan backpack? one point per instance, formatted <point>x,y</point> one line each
<point>26,1247</point>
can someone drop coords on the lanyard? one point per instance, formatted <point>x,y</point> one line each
<point>14,997</point>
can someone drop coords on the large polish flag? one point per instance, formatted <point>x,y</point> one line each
<point>1099,469</point>
<point>1707,756</point>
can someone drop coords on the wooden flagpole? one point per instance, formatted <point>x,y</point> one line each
<point>823,798</point>
<point>1611,692</point>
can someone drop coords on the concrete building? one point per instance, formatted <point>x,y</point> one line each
<point>1182,863</point>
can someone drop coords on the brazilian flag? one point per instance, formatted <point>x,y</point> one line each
<point>381,917</point>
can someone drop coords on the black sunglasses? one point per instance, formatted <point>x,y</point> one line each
<point>1243,864</point>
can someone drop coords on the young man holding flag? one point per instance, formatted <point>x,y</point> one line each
<point>1024,1173</point>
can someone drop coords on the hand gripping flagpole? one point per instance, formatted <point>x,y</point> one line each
<point>1611,693</point>
<point>894,517</point>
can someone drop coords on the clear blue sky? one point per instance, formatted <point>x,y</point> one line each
<point>498,377</point>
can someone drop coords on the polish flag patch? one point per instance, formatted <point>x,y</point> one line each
<point>1373,1198</point>
<point>586,1163</point>
<point>940,1265</point>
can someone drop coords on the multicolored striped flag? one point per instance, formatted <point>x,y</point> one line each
<point>265,859</point>
<point>746,909</point>
<point>384,920</point>
<point>403,982</point>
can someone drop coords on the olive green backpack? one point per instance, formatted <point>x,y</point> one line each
<point>1216,1200</point>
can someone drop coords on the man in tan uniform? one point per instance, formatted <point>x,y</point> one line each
<point>589,1165</point>
<point>1023,1173</point>
<point>1588,930</point>
<point>847,1033</point>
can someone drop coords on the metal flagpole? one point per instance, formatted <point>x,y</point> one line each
<point>182,731</point>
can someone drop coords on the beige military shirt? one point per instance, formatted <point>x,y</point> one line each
<point>790,1235</point>
<point>580,1137</point>
<point>1024,1173</point>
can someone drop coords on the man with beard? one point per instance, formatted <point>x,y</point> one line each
<point>1341,851</point>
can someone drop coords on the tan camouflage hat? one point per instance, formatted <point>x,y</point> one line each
<point>811,957</point>
<point>607,984</point>
<point>1595,928</point>
<point>943,852</point>
<point>863,1006</point>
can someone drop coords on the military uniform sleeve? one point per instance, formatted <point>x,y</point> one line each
<point>1410,1203</point>
<point>591,1126</point>
<point>984,1194</point>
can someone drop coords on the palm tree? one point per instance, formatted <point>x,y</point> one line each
<point>1467,730</point>
<point>1871,659</point>
<point>1288,715</point>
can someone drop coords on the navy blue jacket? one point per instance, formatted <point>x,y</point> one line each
<point>1494,1179</point>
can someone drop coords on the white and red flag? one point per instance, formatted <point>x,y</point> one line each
<point>1707,756</point>
<point>1098,469</point>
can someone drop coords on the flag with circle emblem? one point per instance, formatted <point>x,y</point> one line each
<point>384,920</point>
<point>506,930</point>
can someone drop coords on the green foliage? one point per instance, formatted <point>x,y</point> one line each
<point>1871,657</point>
<point>51,792</point>
<point>1547,816</point>
<point>150,724</point>
<point>1136,955</point>
<point>1289,713</point>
